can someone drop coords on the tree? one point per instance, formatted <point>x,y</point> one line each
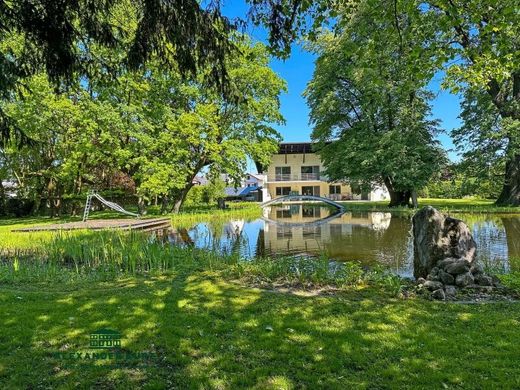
<point>187,34</point>
<point>180,128</point>
<point>75,143</point>
<point>150,124</point>
<point>481,39</point>
<point>484,140</point>
<point>371,115</point>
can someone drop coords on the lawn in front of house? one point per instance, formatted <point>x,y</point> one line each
<point>209,332</point>
<point>467,205</point>
<point>198,313</point>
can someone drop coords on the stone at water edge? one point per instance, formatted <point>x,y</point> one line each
<point>437,237</point>
<point>477,269</point>
<point>451,291</point>
<point>432,285</point>
<point>483,280</point>
<point>458,267</point>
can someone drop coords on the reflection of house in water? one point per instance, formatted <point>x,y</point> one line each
<point>307,235</point>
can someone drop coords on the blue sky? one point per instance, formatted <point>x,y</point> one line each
<point>297,71</point>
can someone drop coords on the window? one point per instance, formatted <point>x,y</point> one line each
<point>311,190</point>
<point>335,189</point>
<point>311,212</point>
<point>311,172</point>
<point>284,213</point>
<point>282,233</point>
<point>282,173</point>
<point>283,191</point>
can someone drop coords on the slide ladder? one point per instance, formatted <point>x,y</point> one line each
<point>111,205</point>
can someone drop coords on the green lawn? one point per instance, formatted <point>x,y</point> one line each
<point>447,205</point>
<point>214,334</point>
<point>209,329</point>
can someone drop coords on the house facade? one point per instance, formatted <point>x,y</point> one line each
<point>296,169</point>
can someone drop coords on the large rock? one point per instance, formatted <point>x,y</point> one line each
<point>437,237</point>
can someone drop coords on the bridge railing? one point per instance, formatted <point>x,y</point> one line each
<point>281,199</point>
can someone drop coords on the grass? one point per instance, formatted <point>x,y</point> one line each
<point>469,205</point>
<point>210,327</point>
<point>210,333</point>
<point>110,255</point>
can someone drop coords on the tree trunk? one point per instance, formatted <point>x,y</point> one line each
<point>141,207</point>
<point>510,195</point>
<point>180,197</point>
<point>415,203</point>
<point>2,198</point>
<point>397,198</point>
<point>164,204</point>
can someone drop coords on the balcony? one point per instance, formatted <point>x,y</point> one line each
<point>296,177</point>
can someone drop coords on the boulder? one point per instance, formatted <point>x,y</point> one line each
<point>437,237</point>
<point>451,291</point>
<point>439,294</point>
<point>432,285</point>
<point>445,262</point>
<point>483,280</point>
<point>464,280</point>
<point>476,268</point>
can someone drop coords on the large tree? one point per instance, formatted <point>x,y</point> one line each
<point>151,124</point>
<point>188,34</point>
<point>480,43</point>
<point>476,44</point>
<point>370,113</point>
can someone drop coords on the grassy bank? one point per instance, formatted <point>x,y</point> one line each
<point>195,319</point>
<point>469,205</point>
<point>207,332</point>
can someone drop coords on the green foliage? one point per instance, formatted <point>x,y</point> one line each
<point>370,112</point>
<point>148,130</point>
<point>460,180</point>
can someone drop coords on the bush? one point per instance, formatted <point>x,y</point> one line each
<point>19,207</point>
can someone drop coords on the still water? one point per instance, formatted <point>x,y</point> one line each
<point>367,237</point>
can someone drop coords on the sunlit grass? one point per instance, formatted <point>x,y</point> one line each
<point>469,205</point>
<point>213,334</point>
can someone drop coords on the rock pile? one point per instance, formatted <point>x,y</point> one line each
<point>445,256</point>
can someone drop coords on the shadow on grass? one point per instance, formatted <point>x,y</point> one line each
<point>214,334</point>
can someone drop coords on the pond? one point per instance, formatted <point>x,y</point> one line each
<point>367,237</point>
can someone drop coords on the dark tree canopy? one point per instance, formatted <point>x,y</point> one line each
<point>186,34</point>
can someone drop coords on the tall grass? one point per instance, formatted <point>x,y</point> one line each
<point>109,255</point>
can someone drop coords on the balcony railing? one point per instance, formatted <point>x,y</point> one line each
<point>296,177</point>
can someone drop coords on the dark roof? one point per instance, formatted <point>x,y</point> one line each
<point>295,148</point>
<point>241,191</point>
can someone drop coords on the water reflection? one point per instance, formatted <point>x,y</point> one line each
<point>369,237</point>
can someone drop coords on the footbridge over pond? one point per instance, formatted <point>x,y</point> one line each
<point>289,198</point>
